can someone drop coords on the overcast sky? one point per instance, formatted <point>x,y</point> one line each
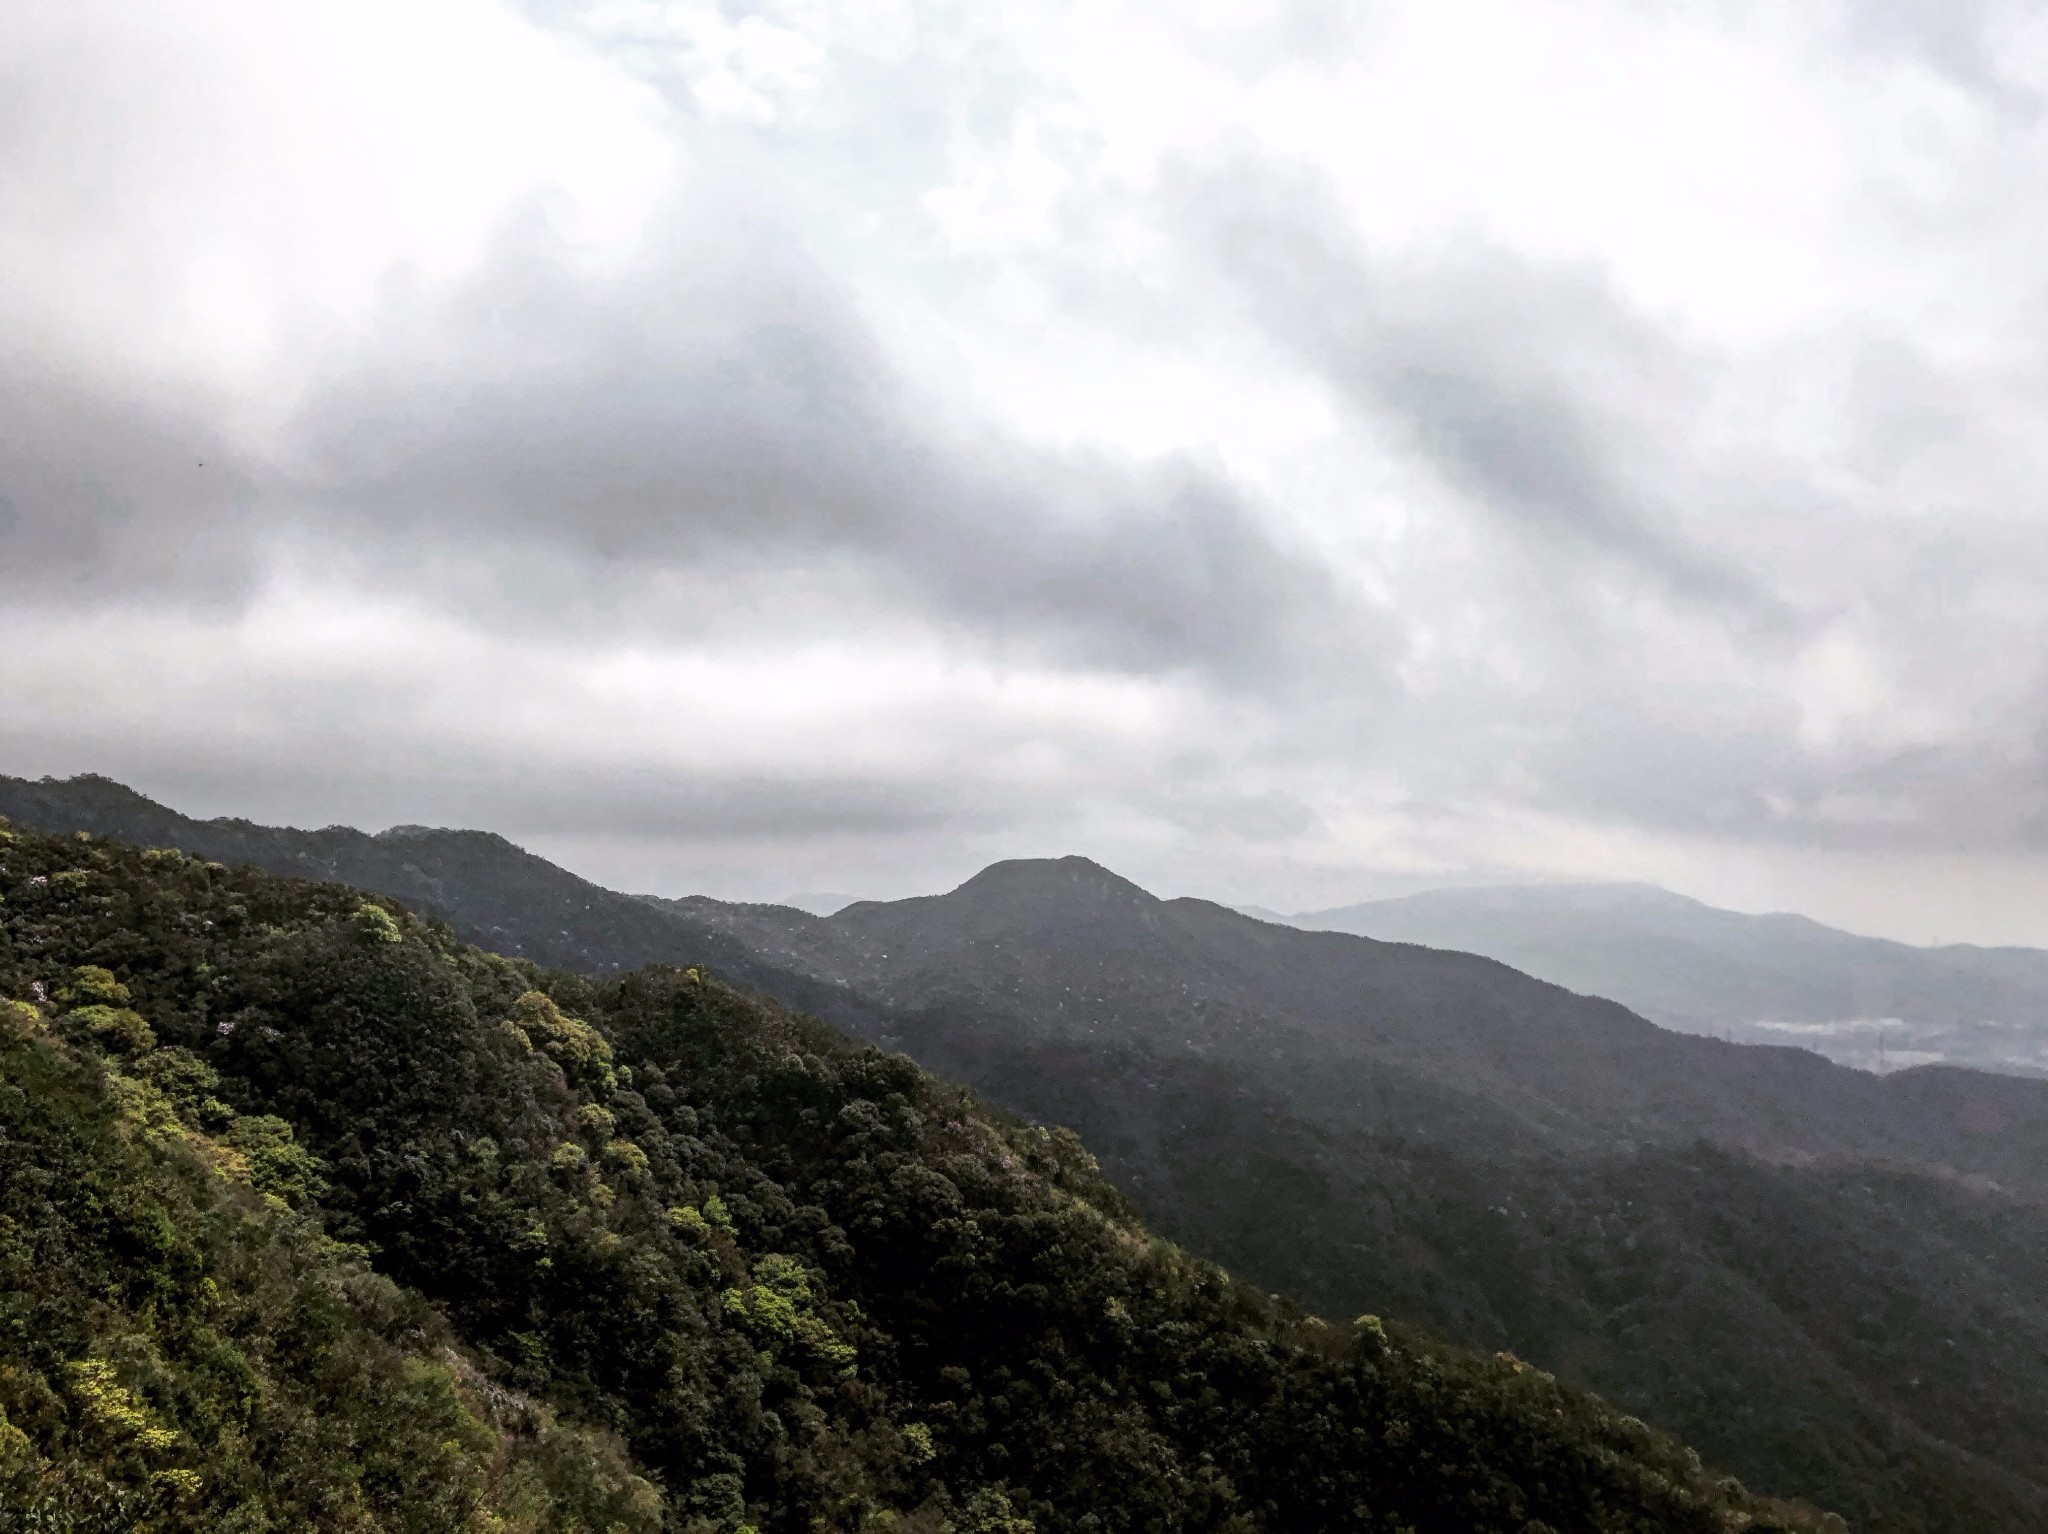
<point>1288,452</point>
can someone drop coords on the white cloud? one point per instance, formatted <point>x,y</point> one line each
<point>1256,443</point>
<point>208,187</point>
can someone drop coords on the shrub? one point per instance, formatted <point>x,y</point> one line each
<point>115,1029</point>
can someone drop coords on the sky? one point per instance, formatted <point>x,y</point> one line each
<point>1289,452</point>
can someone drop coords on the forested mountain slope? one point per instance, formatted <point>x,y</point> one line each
<point>1828,1296</point>
<point>184,1346</point>
<point>493,893</point>
<point>316,1217</point>
<point>1690,966</point>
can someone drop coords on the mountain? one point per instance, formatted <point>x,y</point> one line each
<point>1828,1282</point>
<point>313,1217</point>
<point>1827,1279</point>
<point>490,892</point>
<point>185,1347</point>
<point>1255,912</point>
<point>495,894</point>
<point>1782,979</point>
<point>1392,1037</point>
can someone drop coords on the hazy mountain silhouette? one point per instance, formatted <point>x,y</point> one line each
<point>491,892</point>
<point>1692,966</point>
<point>819,902</point>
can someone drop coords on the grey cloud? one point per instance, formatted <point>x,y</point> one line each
<point>705,806</point>
<point>1529,388</point>
<point>710,450</point>
<point>1210,809</point>
<point>1728,762</point>
<point>1953,38</point>
<point>106,492</point>
<point>718,411</point>
<point>1529,450</point>
<point>722,806</point>
<point>1570,423</point>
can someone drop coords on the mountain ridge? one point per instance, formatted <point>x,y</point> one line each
<point>1299,978</point>
<point>1350,1163</point>
<point>800,1282</point>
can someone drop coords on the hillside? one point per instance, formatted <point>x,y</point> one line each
<point>185,1347</point>
<point>295,1148</point>
<point>1782,979</point>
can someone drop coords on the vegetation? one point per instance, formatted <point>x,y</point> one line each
<point>181,1346</point>
<point>1830,1284</point>
<point>356,1227</point>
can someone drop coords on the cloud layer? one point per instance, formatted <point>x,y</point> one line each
<point>1274,448</point>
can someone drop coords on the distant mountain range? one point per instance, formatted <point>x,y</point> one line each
<point>1834,1283</point>
<point>1784,979</point>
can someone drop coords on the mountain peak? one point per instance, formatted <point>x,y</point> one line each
<point>1067,878</point>
<point>449,837</point>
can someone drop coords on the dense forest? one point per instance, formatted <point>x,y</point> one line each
<point>312,1216</point>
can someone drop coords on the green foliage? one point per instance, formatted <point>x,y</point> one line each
<point>1370,1335</point>
<point>628,1159</point>
<point>109,1412</point>
<point>374,924</point>
<point>120,1029</point>
<point>583,1053</point>
<point>188,1084</point>
<point>277,1164</point>
<point>822,1290</point>
<point>175,1356</point>
<point>779,1308</point>
<point>988,1511</point>
<point>21,1016</point>
<point>90,983</point>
